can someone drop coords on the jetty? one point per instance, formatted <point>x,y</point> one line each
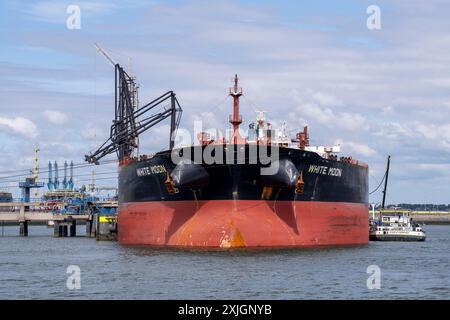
<point>422,217</point>
<point>98,224</point>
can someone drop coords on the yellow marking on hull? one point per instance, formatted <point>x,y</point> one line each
<point>235,240</point>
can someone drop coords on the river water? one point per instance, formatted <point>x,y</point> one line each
<point>36,268</point>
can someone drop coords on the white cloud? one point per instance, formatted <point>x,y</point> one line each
<point>326,100</point>
<point>387,110</point>
<point>440,167</point>
<point>321,107</point>
<point>439,135</point>
<point>420,133</point>
<point>55,117</point>
<point>394,131</point>
<point>25,162</point>
<point>20,125</point>
<point>315,112</point>
<point>208,120</point>
<point>92,133</point>
<point>351,121</point>
<point>55,11</point>
<point>155,139</point>
<point>68,148</point>
<point>357,148</point>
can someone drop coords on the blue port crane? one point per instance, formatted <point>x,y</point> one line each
<point>50,183</point>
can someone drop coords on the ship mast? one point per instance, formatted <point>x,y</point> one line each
<point>386,176</point>
<point>236,119</point>
<point>386,182</point>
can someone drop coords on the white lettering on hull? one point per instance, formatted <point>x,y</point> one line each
<point>147,171</point>
<point>326,171</point>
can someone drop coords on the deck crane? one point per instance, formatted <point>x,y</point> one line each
<point>131,120</point>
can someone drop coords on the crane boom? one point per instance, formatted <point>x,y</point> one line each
<point>130,122</point>
<point>105,54</point>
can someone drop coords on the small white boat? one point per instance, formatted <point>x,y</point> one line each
<point>396,226</point>
<point>50,223</point>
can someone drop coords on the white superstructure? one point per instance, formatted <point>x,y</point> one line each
<point>396,226</point>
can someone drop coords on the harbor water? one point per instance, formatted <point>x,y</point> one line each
<point>35,267</point>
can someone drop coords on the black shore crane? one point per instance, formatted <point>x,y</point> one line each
<point>131,120</point>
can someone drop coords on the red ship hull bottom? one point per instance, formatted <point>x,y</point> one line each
<point>243,223</point>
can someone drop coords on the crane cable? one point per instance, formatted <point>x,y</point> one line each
<point>382,180</point>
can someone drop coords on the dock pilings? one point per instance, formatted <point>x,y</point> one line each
<point>23,230</point>
<point>107,227</point>
<point>65,228</point>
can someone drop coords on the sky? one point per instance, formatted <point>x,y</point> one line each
<point>376,92</point>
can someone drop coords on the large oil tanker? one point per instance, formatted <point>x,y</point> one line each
<point>262,190</point>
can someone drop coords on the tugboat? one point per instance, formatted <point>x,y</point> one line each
<point>394,225</point>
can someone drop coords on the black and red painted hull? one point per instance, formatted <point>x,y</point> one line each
<point>237,207</point>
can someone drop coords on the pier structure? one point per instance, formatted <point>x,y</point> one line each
<point>426,217</point>
<point>26,186</point>
<point>100,219</point>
